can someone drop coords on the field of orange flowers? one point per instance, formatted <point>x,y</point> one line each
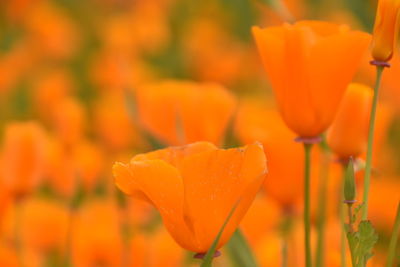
<point>168,133</point>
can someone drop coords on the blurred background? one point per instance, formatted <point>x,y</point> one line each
<point>70,73</point>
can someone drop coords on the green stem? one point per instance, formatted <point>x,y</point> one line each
<point>307,220</point>
<point>17,230</point>
<point>324,176</point>
<point>285,253</point>
<point>368,161</point>
<point>342,215</point>
<point>351,230</point>
<point>394,238</point>
<point>286,229</point>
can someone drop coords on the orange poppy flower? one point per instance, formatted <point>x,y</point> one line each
<point>69,120</point>
<point>23,157</point>
<point>44,226</point>
<point>59,169</point>
<point>113,124</point>
<point>89,162</point>
<point>179,112</point>
<point>310,64</point>
<point>256,122</point>
<point>157,249</point>
<point>386,29</point>
<point>195,187</point>
<point>96,239</point>
<point>349,131</point>
<point>52,31</point>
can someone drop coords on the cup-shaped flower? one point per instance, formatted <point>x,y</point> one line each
<point>309,65</point>
<point>386,29</point>
<point>195,187</point>
<point>347,137</point>
<point>182,112</point>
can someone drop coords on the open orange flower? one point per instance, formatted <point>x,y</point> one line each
<point>181,112</point>
<point>310,64</point>
<point>349,131</point>
<point>195,187</point>
<point>386,29</point>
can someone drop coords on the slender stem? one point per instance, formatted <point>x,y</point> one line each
<point>394,238</point>
<point>350,215</point>
<point>17,230</point>
<point>285,252</point>
<point>322,201</point>
<point>282,10</point>
<point>351,230</point>
<point>307,221</point>
<point>343,258</point>
<point>286,229</point>
<point>368,162</point>
<point>342,216</point>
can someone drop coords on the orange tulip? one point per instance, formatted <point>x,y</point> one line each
<point>195,187</point>
<point>348,134</point>
<point>23,157</point>
<point>386,29</point>
<point>178,112</point>
<point>310,64</point>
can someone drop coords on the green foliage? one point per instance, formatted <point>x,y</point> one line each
<point>207,260</point>
<point>361,243</point>
<point>240,251</point>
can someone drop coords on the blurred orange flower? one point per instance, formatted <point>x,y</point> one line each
<point>157,249</point>
<point>69,120</point>
<point>113,124</point>
<point>180,112</point>
<point>23,156</point>
<point>8,257</point>
<point>51,87</point>
<point>96,239</point>
<point>347,137</point>
<point>310,64</point>
<point>59,169</point>
<point>385,196</point>
<point>89,162</point>
<point>386,29</point>
<point>51,31</point>
<point>195,187</point>
<point>44,226</point>
<point>256,122</point>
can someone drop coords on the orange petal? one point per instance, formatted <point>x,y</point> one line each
<point>214,181</point>
<point>175,155</point>
<point>161,184</point>
<point>333,63</point>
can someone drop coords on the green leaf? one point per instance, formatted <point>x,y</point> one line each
<point>368,238</point>
<point>240,251</point>
<point>353,240</point>
<point>207,260</point>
